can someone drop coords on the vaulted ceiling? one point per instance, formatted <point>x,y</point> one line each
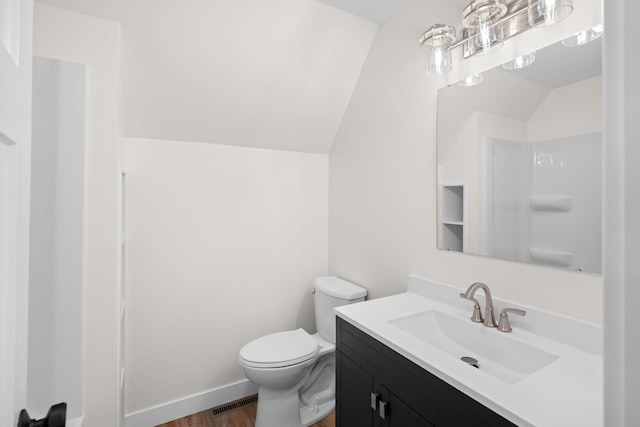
<point>373,10</point>
<point>274,74</point>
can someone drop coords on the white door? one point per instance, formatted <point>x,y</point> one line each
<point>16,22</point>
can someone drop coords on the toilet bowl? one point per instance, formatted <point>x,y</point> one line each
<point>294,370</point>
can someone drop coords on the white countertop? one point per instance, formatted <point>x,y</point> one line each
<point>567,392</point>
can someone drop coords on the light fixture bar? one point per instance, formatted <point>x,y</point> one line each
<point>514,22</point>
<point>489,23</point>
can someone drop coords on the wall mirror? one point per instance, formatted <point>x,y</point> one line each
<point>519,161</point>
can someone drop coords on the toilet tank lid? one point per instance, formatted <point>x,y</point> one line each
<point>339,288</point>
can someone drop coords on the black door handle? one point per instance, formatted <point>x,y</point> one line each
<point>56,417</point>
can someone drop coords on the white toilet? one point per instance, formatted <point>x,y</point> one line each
<point>295,371</point>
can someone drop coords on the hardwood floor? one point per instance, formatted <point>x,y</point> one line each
<point>240,417</point>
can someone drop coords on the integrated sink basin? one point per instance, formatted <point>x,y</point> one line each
<point>546,372</point>
<point>498,354</point>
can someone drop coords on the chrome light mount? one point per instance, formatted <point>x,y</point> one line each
<point>438,35</point>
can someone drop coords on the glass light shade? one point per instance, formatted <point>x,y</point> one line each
<point>520,61</point>
<point>436,44</point>
<point>485,34</point>
<point>480,18</point>
<point>548,12</point>
<point>584,37</point>
<point>473,80</point>
<point>437,59</point>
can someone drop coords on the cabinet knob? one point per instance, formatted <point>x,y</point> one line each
<point>375,397</point>
<point>384,405</point>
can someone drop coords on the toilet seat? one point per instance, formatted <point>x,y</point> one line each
<point>280,349</point>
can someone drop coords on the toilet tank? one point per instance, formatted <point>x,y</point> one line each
<point>331,292</point>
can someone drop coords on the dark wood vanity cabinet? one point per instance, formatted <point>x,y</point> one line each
<point>376,386</point>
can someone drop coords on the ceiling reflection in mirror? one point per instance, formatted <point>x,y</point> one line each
<point>519,161</point>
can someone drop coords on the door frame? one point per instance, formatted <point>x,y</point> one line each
<point>16,27</point>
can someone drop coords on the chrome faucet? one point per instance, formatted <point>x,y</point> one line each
<point>489,319</point>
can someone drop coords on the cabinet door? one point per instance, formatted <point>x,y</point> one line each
<point>353,395</point>
<point>405,389</point>
<point>393,412</point>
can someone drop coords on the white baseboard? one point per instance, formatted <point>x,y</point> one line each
<point>75,422</point>
<point>190,405</point>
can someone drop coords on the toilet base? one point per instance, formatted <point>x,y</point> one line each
<point>296,395</point>
<point>284,410</point>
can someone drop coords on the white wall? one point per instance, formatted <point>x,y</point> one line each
<point>223,244</point>
<point>267,74</point>
<point>96,43</point>
<point>568,110</point>
<point>271,264</point>
<point>56,261</point>
<point>383,179</point>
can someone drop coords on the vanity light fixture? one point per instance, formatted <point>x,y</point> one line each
<point>548,12</point>
<point>488,23</point>
<point>584,37</point>
<point>520,61</point>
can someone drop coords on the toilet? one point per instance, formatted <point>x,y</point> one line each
<point>294,370</point>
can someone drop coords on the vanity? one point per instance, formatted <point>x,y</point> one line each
<point>398,363</point>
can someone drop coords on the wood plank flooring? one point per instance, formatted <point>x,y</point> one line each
<point>240,417</point>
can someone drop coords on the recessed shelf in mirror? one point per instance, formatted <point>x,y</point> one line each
<point>453,203</point>
<point>452,199</point>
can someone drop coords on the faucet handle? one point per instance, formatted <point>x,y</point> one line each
<point>503,324</point>
<point>477,313</point>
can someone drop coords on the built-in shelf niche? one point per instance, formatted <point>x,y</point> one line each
<point>452,202</point>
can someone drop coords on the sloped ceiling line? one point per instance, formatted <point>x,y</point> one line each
<point>275,75</point>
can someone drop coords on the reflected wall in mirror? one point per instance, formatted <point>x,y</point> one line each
<point>519,161</point>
